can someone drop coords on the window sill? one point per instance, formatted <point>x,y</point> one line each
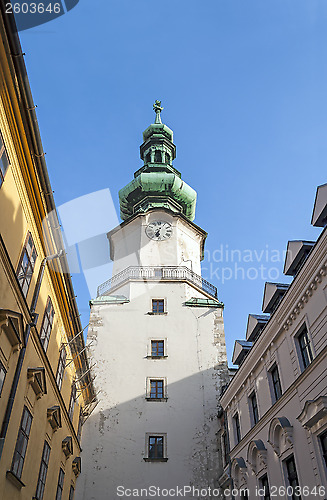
<point>14,479</point>
<point>158,314</point>
<point>155,459</point>
<point>157,399</point>
<point>156,357</point>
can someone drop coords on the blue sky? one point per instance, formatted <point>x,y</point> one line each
<point>243,84</point>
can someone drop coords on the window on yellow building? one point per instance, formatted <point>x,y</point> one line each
<point>4,160</point>
<point>43,472</point>
<point>26,265</point>
<point>60,486</point>
<point>47,324</point>
<point>72,402</point>
<point>21,444</point>
<point>61,367</point>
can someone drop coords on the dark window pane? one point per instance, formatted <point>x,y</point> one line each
<point>292,477</point>
<point>323,441</point>
<point>2,376</point>
<point>305,348</point>
<point>22,442</point>
<point>237,428</point>
<point>276,382</point>
<point>47,324</point>
<point>43,472</point>
<point>26,266</point>
<point>60,486</point>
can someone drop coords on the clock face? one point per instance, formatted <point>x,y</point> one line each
<point>159,230</point>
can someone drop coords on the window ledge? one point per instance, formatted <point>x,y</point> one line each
<point>158,314</point>
<point>156,357</point>
<point>14,479</point>
<point>155,459</point>
<point>157,399</point>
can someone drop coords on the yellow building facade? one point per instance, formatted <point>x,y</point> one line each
<point>46,388</point>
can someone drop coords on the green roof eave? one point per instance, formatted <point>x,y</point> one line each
<point>160,184</point>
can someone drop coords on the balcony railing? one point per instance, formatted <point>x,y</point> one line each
<point>153,273</point>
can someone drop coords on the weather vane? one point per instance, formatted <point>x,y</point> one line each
<point>157,108</point>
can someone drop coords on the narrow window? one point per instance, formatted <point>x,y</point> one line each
<point>26,265</point>
<point>43,472</point>
<point>225,448</point>
<point>167,158</point>
<point>4,160</point>
<point>80,423</point>
<point>157,348</point>
<point>60,486</point>
<point>61,367</point>
<point>156,389</point>
<point>276,383</point>
<point>148,158</point>
<point>157,157</point>
<point>323,442</point>
<point>237,428</point>
<point>156,447</point>
<point>305,348</point>
<point>71,493</point>
<point>254,408</point>
<point>21,444</point>
<point>2,376</point>
<point>292,476</point>
<point>47,324</point>
<point>158,306</point>
<point>72,402</point>
<point>264,484</point>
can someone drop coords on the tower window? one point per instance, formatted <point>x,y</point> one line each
<point>156,447</point>
<point>167,158</point>
<point>158,306</point>
<point>148,158</point>
<point>156,389</point>
<point>157,348</point>
<point>158,157</point>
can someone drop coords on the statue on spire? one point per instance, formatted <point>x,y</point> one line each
<point>157,108</point>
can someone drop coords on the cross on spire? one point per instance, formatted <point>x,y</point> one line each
<point>157,108</point>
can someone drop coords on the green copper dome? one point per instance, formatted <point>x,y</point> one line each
<point>157,183</point>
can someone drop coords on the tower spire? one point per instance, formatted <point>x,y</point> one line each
<point>157,108</point>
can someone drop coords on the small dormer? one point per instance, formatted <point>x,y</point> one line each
<point>256,323</point>
<point>272,296</point>
<point>297,252</point>
<point>241,349</point>
<point>319,214</point>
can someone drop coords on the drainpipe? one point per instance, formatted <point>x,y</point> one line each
<point>22,353</point>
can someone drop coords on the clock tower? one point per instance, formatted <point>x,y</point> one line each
<point>157,336</point>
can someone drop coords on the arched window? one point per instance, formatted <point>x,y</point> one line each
<point>148,158</point>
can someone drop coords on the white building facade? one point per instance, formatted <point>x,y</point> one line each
<point>157,336</point>
<point>276,404</point>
